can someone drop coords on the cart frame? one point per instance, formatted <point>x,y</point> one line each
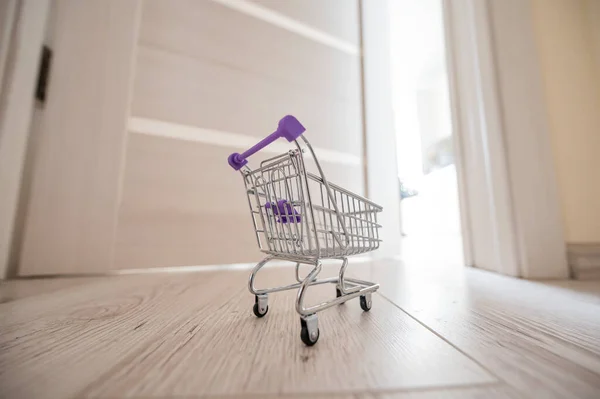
<point>293,223</point>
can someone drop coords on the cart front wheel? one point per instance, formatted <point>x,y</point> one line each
<point>365,302</point>
<point>309,333</point>
<point>305,337</point>
<point>257,310</point>
<point>261,305</point>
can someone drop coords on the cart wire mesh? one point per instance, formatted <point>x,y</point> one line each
<point>301,215</point>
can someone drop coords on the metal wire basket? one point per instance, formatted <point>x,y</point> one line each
<point>301,217</point>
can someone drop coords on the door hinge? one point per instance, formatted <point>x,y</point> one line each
<point>43,74</point>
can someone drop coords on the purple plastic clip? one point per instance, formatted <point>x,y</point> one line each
<point>285,210</point>
<point>288,127</point>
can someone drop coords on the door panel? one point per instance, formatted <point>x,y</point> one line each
<point>205,67</point>
<point>183,205</point>
<point>199,92</point>
<point>110,191</point>
<point>72,211</point>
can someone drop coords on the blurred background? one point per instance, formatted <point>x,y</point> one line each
<point>144,104</point>
<point>423,125</point>
<point>118,160</point>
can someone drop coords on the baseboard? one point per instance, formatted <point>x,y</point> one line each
<point>584,260</point>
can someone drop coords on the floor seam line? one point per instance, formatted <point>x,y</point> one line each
<point>353,393</point>
<point>501,380</point>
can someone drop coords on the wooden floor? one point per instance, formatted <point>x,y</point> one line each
<point>433,332</point>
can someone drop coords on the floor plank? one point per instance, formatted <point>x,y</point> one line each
<point>17,289</point>
<point>495,391</point>
<point>541,339</point>
<point>195,335</point>
<point>64,342</point>
<point>588,291</point>
<point>291,396</point>
<point>485,391</point>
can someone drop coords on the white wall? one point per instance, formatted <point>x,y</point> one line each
<point>568,40</point>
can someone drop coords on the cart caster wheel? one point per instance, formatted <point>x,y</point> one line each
<point>306,339</point>
<point>365,302</point>
<point>309,333</point>
<point>261,306</point>
<point>257,311</point>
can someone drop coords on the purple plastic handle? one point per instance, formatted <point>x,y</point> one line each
<point>288,127</point>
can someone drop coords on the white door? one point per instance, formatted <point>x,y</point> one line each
<point>148,98</point>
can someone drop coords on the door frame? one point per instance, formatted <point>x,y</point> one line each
<point>381,172</point>
<point>498,102</point>
<point>23,33</point>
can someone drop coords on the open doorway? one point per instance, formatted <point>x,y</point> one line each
<point>426,162</point>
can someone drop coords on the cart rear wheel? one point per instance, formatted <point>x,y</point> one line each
<point>365,302</point>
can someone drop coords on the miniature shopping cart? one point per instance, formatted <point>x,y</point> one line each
<point>299,216</point>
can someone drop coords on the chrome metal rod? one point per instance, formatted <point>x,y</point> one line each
<point>341,284</point>
<point>331,196</point>
<point>298,279</point>
<point>294,286</point>
<point>360,282</point>
<point>254,271</point>
<point>325,305</point>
